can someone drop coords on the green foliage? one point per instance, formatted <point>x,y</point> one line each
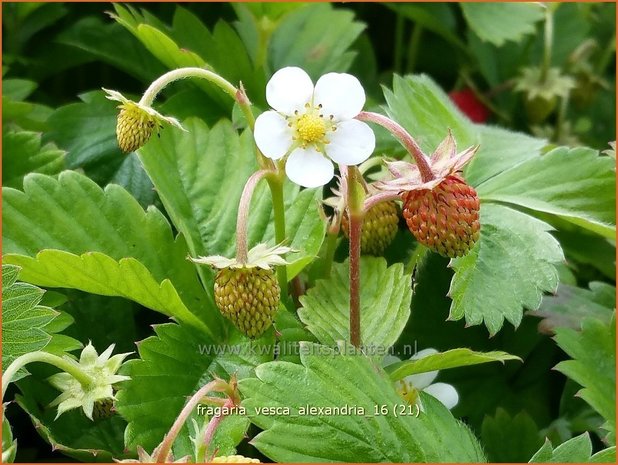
<point>348,380</point>
<point>575,184</point>
<point>509,268</point>
<point>385,304</point>
<point>199,176</point>
<point>9,446</point>
<point>593,351</point>
<point>302,40</point>
<point>181,361</point>
<point>501,22</point>
<point>450,359</point>
<point>23,154</point>
<point>510,439</point>
<point>28,326</point>
<point>572,304</point>
<point>96,231</point>
<point>575,450</point>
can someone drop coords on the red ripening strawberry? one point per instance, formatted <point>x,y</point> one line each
<point>445,218</point>
<point>470,105</point>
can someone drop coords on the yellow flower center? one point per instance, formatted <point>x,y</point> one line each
<point>311,127</point>
<point>407,391</point>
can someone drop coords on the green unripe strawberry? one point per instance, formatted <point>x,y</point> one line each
<point>445,218</point>
<point>379,228</point>
<point>538,109</point>
<point>249,297</point>
<point>234,459</point>
<point>103,409</point>
<point>134,127</point>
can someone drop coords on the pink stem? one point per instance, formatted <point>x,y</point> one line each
<point>379,198</point>
<point>163,450</point>
<point>214,422</point>
<point>243,215</point>
<point>406,139</point>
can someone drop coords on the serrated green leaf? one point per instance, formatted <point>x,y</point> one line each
<point>385,304</point>
<point>216,47</point>
<point>9,446</point>
<point>593,351</point>
<point>103,40</point>
<point>155,37</point>
<point>510,439</point>
<point>302,40</point>
<point>75,216</point>
<point>173,365</point>
<point>22,153</point>
<point>509,268</point>
<point>97,273</point>
<point>23,319</point>
<point>500,150</point>
<point>575,184</point>
<point>200,174</point>
<point>575,450</point>
<point>572,304</point>
<point>501,22</point>
<point>329,380</point>
<point>441,361</point>
<point>423,108</point>
<point>605,456</point>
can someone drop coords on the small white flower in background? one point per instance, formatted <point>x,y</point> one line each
<point>314,125</point>
<point>410,386</point>
<point>102,368</point>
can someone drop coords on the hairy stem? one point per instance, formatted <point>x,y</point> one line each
<point>406,139</point>
<point>211,428</point>
<point>235,93</point>
<point>379,198</point>
<point>163,450</point>
<point>63,364</point>
<point>242,220</point>
<point>356,213</point>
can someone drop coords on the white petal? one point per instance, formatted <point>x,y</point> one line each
<point>289,89</point>
<point>389,360</point>
<point>421,380</point>
<point>340,95</point>
<point>352,143</point>
<point>309,168</point>
<point>445,393</point>
<point>272,134</point>
<point>423,353</point>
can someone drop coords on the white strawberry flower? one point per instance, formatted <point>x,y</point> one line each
<point>411,385</point>
<point>313,126</point>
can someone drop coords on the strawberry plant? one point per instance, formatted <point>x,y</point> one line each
<point>263,232</point>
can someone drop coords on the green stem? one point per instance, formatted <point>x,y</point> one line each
<point>356,197</point>
<point>415,42</point>
<point>63,364</point>
<point>564,104</point>
<point>163,81</point>
<point>276,191</point>
<point>606,56</point>
<point>549,40</point>
<point>329,256</point>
